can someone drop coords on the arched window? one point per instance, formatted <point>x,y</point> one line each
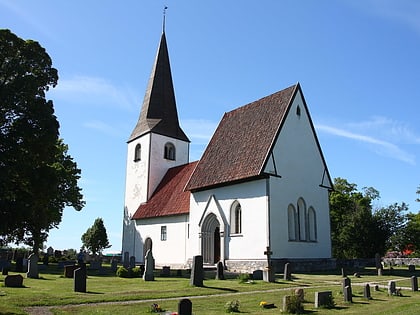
<point>292,223</point>
<point>301,212</point>
<point>137,153</point>
<point>236,218</point>
<point>312,224</point>
<point>169,153</point>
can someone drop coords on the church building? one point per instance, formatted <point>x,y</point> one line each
<point>262,183</point>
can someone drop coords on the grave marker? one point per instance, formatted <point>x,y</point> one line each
<point>33,267</point>
<point>322,298</point>
<point>197,271</point>
<point>149,263</point>
<point>414,284</point>
<point>220,271</point>
<point>185,307</point>
<point>13,281</point>
<point>366,292</point>
<point>80,276</point>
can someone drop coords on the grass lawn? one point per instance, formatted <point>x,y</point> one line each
<point>106,294</point>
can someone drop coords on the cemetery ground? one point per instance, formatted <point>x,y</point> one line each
<point>52,293</point>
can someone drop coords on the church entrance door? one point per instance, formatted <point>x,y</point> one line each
<point>210,240</point>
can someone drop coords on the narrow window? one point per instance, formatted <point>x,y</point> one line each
<point>163,234</point>
<point>292,223</point>
<point>298,110</point>
<point>302,226</point>
<point>312,224</point>
<point>169,153</point>
<point>137,153</point>
<point>236,218</point>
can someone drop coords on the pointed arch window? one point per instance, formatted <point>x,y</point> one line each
<point>169,152</point>
<point>137,153</point>
<point>236,218</point>
<point>312,233</point>
<point>301,212</point>
<point>292,223</point>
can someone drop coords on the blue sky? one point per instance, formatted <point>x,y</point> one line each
<point>357,62</point>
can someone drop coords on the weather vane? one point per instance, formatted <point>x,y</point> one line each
<point>164,17</point>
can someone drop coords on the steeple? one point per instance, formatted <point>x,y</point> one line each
<point>158,113</point>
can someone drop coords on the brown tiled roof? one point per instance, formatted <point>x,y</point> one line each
<point>239,147</point>
<point>158,112</point>
<point>169,197</point>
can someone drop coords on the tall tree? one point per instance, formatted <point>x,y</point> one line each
<point>95,239</point>
<point>38,178</point>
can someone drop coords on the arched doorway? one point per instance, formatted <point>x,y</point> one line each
<point>210,239</point>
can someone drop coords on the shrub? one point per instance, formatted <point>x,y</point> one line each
<point>135,272</point>
<point>232,306</point>
<point>122,272</point>
<point>294,305</point>
<point>243,277</point>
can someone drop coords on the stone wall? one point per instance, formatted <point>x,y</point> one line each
<point>401,261</point>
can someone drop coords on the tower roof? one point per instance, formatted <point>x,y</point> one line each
<point>158,113</point>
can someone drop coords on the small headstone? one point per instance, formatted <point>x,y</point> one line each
<point>14,281</point>
<point>392,289</point>
<point>345,282</point>
<point>412,268</point>
<point>220,271</point>
<point>149,263</point>
<point>287,272</point>
<point>286,302</point>
<point>414,284</point>
<point>114,265</point>
<point>5,271</point>
<point>80,279</point>
<point>366,292</point>
<point>126,260</point>
<point>69,270</point>
<point>348,296</point>
<point>185,307</point>
<point>376,287</point>
<point>33,267</point>
<point>257,275</point>
<point>322,298</point>
<point>379,270</point>
<point>132,262</point>
<point>197,271</point>
<point>269,275</point>
<point>300,294</point>
<point>166,271</point>
<point>356,274</point>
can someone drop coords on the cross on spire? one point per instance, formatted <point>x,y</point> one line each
<point>164,18</point>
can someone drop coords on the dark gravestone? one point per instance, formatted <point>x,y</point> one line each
<point>185,307</point>
<point>322,298</point>
<point>166,271</point>
<point>126,260</point>
<point>5,271</point>
<point>197,271</point>
<point>19,264</point>
<point>149,262</point>
<point>69,270</point>
<point>257,275</point>
<point>14,281</point>
<point>412,268</point>
<point>414,284</point>
<point>80,279</point>
<point>132,262</point>
<point>392,288</point>
<point>220,271</point>
<point>348,296</point>
<point>114,265</point>
<point>287,272</point>
<point>344,283</point>
<point>366,292</point>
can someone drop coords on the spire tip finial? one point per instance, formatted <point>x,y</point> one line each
<point>164,18</point>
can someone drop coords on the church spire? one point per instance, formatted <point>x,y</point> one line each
<point>158,113</point>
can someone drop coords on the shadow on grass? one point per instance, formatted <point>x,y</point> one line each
<point>222,289</point>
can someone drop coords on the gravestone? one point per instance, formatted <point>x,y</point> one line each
<point>185,307</point>
<point>80,276</point>
<point>392,288</point>
<point>412,268</point>
<point>32,267</point>
<point>5,271</point>
<point>14,281</point>
<point>344,283</point>
<point>287,275</point>
<point>257,275</point>
<point>322,298</point>
<point>414,283</point>
<point>114,265</point>
<point>269,274</point>
<point>149,263</point>
<point>220,275</point>
<point>126,260</point>
<point>366,292</point>
<point>69,270</point>
<point>132,262</point>
<point>300,294</point>
<point>19,264</point>
<point>378,264</point>
<point>197,271</point>
<point>286,302</point>
<point>348,296</point>
<point>166,271</point>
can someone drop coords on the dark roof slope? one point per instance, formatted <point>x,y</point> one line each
<point>238,149</point>
<point>169,197</point>
<point>158,113</point>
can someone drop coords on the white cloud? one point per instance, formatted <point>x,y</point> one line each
<point>102,127</point>
<point>95,91</point>
<point>199,130</point>
<point>381,147</point>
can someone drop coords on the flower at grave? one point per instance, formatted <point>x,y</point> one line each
<point>155,308</point>
<point>263,303</point>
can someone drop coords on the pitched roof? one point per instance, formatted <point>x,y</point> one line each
<point>158,113</point>
<point>169,197</point>
<point>239,147</point>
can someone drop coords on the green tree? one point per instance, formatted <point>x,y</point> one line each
<point>38,178</point>
<point>95,239</point>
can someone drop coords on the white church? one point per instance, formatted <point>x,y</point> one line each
<point>262,182</point>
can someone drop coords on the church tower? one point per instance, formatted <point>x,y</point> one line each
<point>156,144</point>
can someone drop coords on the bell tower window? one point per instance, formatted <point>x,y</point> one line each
<point>169,153</point>
<point>137,153</point>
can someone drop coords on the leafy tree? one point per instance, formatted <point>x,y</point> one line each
<point>95,239</point>
<point>38,178</point>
